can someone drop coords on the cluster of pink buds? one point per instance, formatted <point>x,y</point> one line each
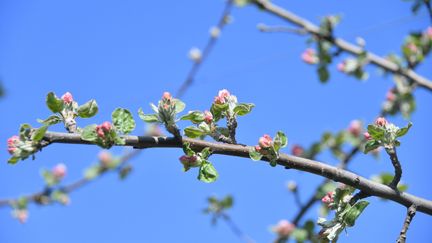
<point>222,97</point>
<point>328,198</point>
<point>390,96</point>
<point>67,98</point>
<point>104,128</point>
<point>166,96</point>
<point>284,228</point>
<point>208,117</point>
<point>355,128</point>
<point>21,215</point>
<point>297,150</point>
<point>59,171</point>
<point>188,161</point>
<point>381,121</point>
<point>12,143</point>
<point>167,100</point>
<point>309,56</point>
<point>105,158</point>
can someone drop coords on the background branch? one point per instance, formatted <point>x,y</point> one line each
<point>410,215</point>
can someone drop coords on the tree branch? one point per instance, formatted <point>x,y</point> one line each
<point>397,166</point>
<point>344,45</point>
<point>287,161</point>
<point>410,215</point>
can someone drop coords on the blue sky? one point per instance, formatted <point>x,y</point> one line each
<point>125,54</point>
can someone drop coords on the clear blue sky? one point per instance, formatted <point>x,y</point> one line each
<point>126,53</point>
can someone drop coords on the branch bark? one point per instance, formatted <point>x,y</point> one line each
<point>287,161</point>
<point>410,215</point>
<point>343,44</point>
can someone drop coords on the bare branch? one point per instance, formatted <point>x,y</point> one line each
<point>342,44</point>
<point>397,166</point>
<point>410,215</point>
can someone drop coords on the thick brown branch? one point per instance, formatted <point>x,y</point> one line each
<point>287,161</point>
<point>344,45</point>
<point>410,215</point>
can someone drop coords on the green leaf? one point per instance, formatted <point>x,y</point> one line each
<point>39,133</point>
<point>13,160</point>
<point>376,132</point>
<point>194,116</point>
<point>402,131</point>
<point>51,120</point>
<point>243,108</point>
<point>300,235</point>
<point>92,172</point>
<point>123,120</point>
<point>280,141</point>
<point>119,140</point>
<point>205,153</point>
<point>187,150</point>
<point>89,109</point>
<point>89,133</point>
<point>54,104</point>
<point>193,132</point>
<point>354,212</point>
<point>254,155</point>
<point>371,145</point>
<point>147,118</point>
<point>227,202</point>
<point>24,131</point>
<point>323,74</point>
<point>179,105</point>
<point>207,173</point>
<point>48,177</point>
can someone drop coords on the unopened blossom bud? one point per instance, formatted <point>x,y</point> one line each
<point>106,126</point>
<point>195,54</point>
<point>222,96</point>
<point>390,96</point>
<point>208,117</point>
<point>99,131</point>
<point>381,121</point>
<point>297,150</point>
<point>67,98</point>
<point>265,141</point>
<point>412,47</point>
<point>367,136</point>
<point>355,127</point>
<point>64,199</point>
<point>215,32</point>
<point>188,160</point>
<point>328,198</point>
<point>292,186</point>
<point>309,56</point>
<point>105,158</point>
<point>21,215</point>
<point>341,67</point>
<point>12,143</point>
<point>284,228</point>
<point>224,93</point>
<point>59,171</point>
<point>258,148</point>
<point>166,96</point>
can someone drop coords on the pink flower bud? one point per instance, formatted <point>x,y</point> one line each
<point>219,100</point>
<point>367,136</point>
<point>21,215</point>
<point>265,141</point>
<point>390,96</point>
<point>59,171</point>
<point>341,67</point>
<point>12,143</point>
<point>258,148</point>
<point>208,117</point>
<point>309,56</point>
<point>166,96</point>
<point>106,126</point>
<point>284,228</point>
<point>381,121</point>
<point>297,150</point>
<point>100,131</point>
<point>328,198</point>
<point>105,158</point>
<point>429,32</point>
<point>355,127</point>
<point>413,48</point>
<point>11,150</point>
<point>67,98</point>
<point>222,96</point>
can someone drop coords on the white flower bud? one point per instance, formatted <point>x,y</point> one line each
<point>195,54</point>
<point>215,32</point>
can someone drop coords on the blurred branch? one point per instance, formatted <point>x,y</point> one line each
<point>342,44</point>
<point>287,161</point>
<point>236,229</point>
<point>410,215</point>
<point>223,20</point>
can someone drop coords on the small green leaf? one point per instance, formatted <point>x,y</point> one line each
<point>24,131</point>
<point>119,140</point>
<point>54,104</point>
<point>207,173</point>
<point>92,172</point>
<point>89,133</point>
<point>123,120</point>
<point>179,105</point>
<point>376,132</point>
<point>371,145</point>
<point>254,155</point>
<point>194,116</point>
<point>193,132</point>
<point>147,118</point>
<point>89,109</point>
<point>227,202</point>
<point>243,108</point>
<point>13,160</point>
<point>280,140</point>
<point>187,150</point>
<point>205,153</point>
<point>402,131</point>
<point>354,212</point>
<point>39,133</point>
<point>323,74</point>
<point>51,120</point>
<point>300,235</point>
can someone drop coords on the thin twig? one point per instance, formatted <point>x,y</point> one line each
<point>397,166</point>
<point>236,229</point>
<point>410,215</point>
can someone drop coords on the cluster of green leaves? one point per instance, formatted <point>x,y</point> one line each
<point>403,100</point>
<point>416,47</point>
<point>386,178</point>
<point>355,66</point>
<point>67,112</point>
<point>272,152</point>
<point>207,172</point>
<point>165,113</point>
<point>305,233</point>
<point>345,214</point>
<point>29,142</point>
<point>385,136</point>
<point>110,163</point>
<point>218,206</point>
<point>123,123</point>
